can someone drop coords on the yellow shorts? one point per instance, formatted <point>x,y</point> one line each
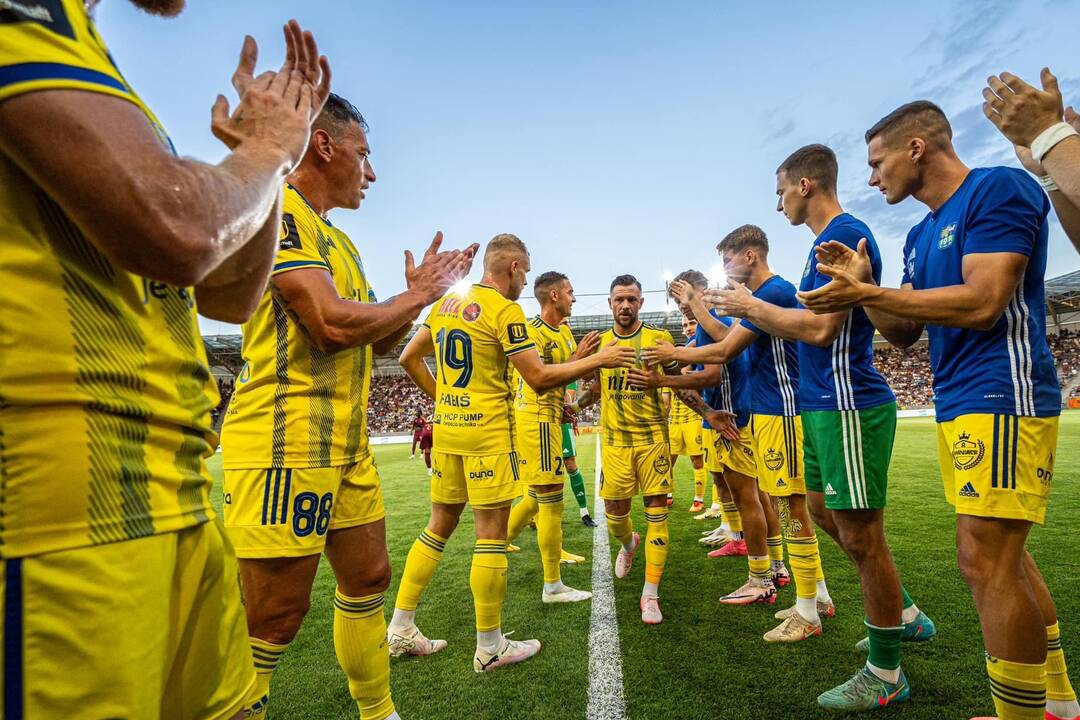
<point>286,513</point>
<point>539,453</point>
<point>146,628</point>
<point>712,448</point>
<point>739,455</point>
<point>998,466</point>
<point>481,480</point>
<point>627,471</point>
<point>685,438</point>
<point>778,449</point>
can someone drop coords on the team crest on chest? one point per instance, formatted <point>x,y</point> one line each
<point>947,237</point>
<point>967,453</point>
<point>773,459</point>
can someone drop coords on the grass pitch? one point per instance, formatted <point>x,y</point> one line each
<point>706,660</point>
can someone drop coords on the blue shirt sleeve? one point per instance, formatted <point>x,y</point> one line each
<point>1005,214</point>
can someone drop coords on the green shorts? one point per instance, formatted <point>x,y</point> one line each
<point>568,449</point>
<point>847,455</point>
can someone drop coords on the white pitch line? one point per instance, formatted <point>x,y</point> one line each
<point>606,700</point>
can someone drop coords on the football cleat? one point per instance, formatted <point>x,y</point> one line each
<point>1052,716</point>
<point>780,576</point>
<point>410,641</point>
<point>865,691</point>
<point>511,547</point>
<point>794,629</point>
<point>708,514</point>
<point>587,521</point>
<point>716,538</point>
<point>569,558</point>
<point>650,611</point>
<point>823,610</point>
<point>921,629</point>
<point>755,590</point>
<point>670,500</point>
<point>625,560</point>
<point>566,595</point>
<point>735,548</point>
<point>509,652</point>
<point>698,506</point>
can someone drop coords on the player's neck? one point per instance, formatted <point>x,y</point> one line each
<point>500,284</point>
<point>627,332</point>
<point>314,190</point>
<point>940,180</point>
<point>758,276</point>
<point>822,212</point>
<point>551,315</point>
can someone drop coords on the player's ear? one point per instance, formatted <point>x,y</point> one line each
<point>916,149</point>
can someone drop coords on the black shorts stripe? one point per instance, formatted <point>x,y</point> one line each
<point>14,707</point>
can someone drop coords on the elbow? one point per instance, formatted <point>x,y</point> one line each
<point>234,315</point>
<point>328,339</point>
<point>985,320</point>
<point>822,338</point>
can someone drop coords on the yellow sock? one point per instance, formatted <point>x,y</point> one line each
<point>1058,686</point>
<point>701,476</point>
<point>1019,689</point>
<point>820,570</point>
<point>549,533</point>
<point>522,514</point>
<point>732,517</point>
<point>759,566</point>
<point>266,655</point>
<point>805,560</point>
<point>360,646</point>
<point>656,543</point>
<point>488,582</point>
<point>622,527</point>
<point>776,547</point>
<point>420,565</point>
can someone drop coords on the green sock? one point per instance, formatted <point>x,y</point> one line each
<point>577,484</point>
<point>908,602</point>
<point>884,646</point>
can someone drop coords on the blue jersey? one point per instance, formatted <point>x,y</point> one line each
<point>774,362</point>
<point>842,376</point>
<point>733,392</point>
<point>1008,369</point>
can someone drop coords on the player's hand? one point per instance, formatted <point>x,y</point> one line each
<point>724,423</point>
<point>736,301</point>
<point>840,294</point>
<point>838,256</point>
<point>1019,110</point>
<point>276,108</point>
<point>681,291</point>
<point>437,270</point>
<point>645,378</point>
<point>661,353</point>
<point>588,345</point>
<point>613,356</point>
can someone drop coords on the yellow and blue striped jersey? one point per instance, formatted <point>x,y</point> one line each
<point>632,417</point>
<point>555,345</point>
<point>105,390</point>
<point>475,332</point>
<point>680,413</point>
<point>294,405</point>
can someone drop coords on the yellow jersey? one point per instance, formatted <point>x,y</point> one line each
<point>294,405</point>
<point>555,345</point>
<point>106,391</point>
<point>475,333</point>
<point>632,417</point>
<point>680,413</point>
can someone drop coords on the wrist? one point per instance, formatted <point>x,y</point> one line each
<point>870,295</point>
<point>265,154</point>
<point>1049,138</point>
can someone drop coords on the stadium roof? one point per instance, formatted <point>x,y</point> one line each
<point>1063,293</point>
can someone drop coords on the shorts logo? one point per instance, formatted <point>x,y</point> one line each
<point>780,482</point>
<point>948,236</point>
<point>1045,476</point>
<point>481,474</point>
<point>471,313</point>
<point>747,452</point>
<point>662,465</point>
<point>829,489</point>
<point>968,491</point>
<point>773,459</point>
<point>966,454</point>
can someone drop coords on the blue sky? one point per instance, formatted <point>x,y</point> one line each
<point>611,137</point>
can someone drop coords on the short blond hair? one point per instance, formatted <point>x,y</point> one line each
<point>504,245</point>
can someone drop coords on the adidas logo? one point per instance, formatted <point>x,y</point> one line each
<point>968,491</point>
<point>829,489</point>
<point>780,483</point>
<point>659,542</point>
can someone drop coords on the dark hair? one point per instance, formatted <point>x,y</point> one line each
<point>624,280</point>
<point>695,277</point>
<point>545,283</point>
<point>814,162</point>
<point>743,237</point>
<point>336,115</point>
<point>921,118</point>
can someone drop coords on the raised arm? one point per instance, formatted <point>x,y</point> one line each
<point>736,340</point>
<point>786,323</point>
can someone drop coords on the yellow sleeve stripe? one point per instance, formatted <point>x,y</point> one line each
<point>296,264</point>
<point>520,348</point>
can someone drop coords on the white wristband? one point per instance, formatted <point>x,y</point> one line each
<point>1050,137</point>
<point>1048,183</point>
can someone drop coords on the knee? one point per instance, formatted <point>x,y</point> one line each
<point>279,621</point>
<point>978,567</point>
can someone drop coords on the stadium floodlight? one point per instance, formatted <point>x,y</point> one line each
<point>717,276</point>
